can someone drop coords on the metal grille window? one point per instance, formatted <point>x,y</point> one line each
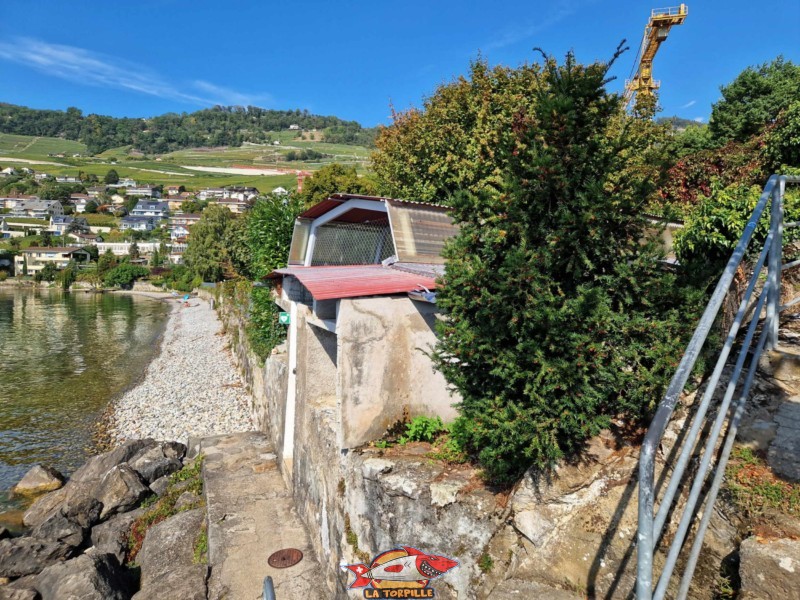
<point>353,243</point>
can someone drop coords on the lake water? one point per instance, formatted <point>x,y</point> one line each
<point>63,357</point>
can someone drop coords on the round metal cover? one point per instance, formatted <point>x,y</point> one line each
<point>288,557</point>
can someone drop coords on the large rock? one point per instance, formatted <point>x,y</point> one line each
<point>60,528</point>
<point>769,569</point>
<point>111,537</point>
<point>160,485</point>
<point>187,583</point>
<point>152,463</point>
<point>45,506</point>
<point>7,593</point>
<point>4,533</point>
<point>94,469</point>
<point>169,545</point>
<point>38,480</point>
<point>26,555</point>
<point>88,577</point>
<point>120,490</point>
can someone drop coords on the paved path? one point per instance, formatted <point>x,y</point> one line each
<point>250,516</point>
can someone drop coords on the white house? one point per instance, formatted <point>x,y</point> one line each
<point>125,182</point>
<point>207,193</point>
<point>147,208</point>
<point>240,193</point>
<point>60,224</point>
<point>36,258</point>
<point>148,191</point>
<point>138,223</point>
<point>67,179</point>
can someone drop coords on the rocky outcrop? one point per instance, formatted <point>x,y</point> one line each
<point>769,569</point>
<point>38,480</point>
<point>111,537</point>
<point>120,490</point>
<point>157,461</point>
<point>88,577</point>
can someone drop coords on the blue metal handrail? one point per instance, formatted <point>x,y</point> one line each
<point>269,589</point>
<point>651,524</point>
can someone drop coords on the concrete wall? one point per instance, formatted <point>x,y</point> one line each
<point>384,373</point>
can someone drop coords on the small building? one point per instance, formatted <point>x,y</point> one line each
<point>360,295</point>
<point>240,193</point>
<point>294,127</point>
<point>146,191</point>
<point>124,248</point>
<point>67,179</point>
<point>135,223</point>
<point>209,193</point>
<point>22,226</point>
<point>96,190</point>
<point>125,183</point>
<point>280,191</point>
<point>85,239</point>
<point>41,176</point>
<point>149,208</point>
<point>235,205</point>
<point>37,258</point>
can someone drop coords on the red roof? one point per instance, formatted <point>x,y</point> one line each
<point>328,283</point>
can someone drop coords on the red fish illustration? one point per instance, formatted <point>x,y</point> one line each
<point>415,566</point>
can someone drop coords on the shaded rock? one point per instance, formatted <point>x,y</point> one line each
<point>26,555</point>
<point>44,507</point>
<point>87,577</point>
<point>769,569</point>
<point>174,450</point>
<point>785,448</point>
<point>169,545</point>
<point>38,480</point>
<point>24,583</point>
<point>96,467</point>
<point>60,528</point>
<point>7,593</point>
<point>111,537</point>
<point>515,589</point>
<point>83,510</point>
<point>187,583</point>
<point>121,490</point>
<point>151,463</point>
<point>160,485</point>
<point>4,533</point>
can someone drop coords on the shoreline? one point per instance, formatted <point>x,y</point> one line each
<point>191,386</point>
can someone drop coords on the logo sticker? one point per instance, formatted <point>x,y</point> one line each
<point>400,573</point>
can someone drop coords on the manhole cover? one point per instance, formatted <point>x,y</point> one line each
<point>288,557</point>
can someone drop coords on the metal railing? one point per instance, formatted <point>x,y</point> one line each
<point>651,523</point>
<point>269,589</point>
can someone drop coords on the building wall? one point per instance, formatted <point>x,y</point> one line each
<point>384,374</point>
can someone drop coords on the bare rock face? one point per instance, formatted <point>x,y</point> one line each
<point>44,507</point>
<point>7,593</point>
<point>4,533</point>
<point>88,577</point>
<point>152,463</point>
<point>38,480</point>
<point>60,528</point>
<point>769,569</point>
<point>167,560</point>
<point>111,537</point>
<point>120,490</point>
<point>160,485</point>
<point>26,555</point>
<point>96,467</point>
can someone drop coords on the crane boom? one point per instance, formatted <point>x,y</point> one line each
<point>655,33</point>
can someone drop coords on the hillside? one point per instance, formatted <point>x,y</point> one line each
<point>218,126</point>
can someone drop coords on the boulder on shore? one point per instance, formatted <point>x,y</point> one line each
<point>88,577</point>
<point>111,537</point>
<point>169,546</point>
<point>38,480</point>
<point>27,555</point>
<point>121,490</point>
<point>769,568</point>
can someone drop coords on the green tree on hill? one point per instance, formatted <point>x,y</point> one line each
<point>334,178</point>
<point>111,177</point>
<point>558,316</point>
<point>207,254</point>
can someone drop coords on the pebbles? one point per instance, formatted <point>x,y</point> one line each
<point>191,388</point>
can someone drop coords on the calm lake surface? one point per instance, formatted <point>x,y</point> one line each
<point>62,358</point>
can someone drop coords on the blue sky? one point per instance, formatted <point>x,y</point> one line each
<point>352,59</point>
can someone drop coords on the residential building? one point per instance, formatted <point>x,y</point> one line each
<point>208,193</point>
<point>97,190</point>
<point>124,248</point>
<point>294,127</point>
<point>148,208</point>
<point>240,193</point>
<point>125,182</point>
<point>67,179</point>
<point>61,224</point>
<point>280,191</point>
<point>137,223</point>
<point>37,258</point>
<point>37,209</point>
<point>187,219</point>
<point>148,191</point>
<point>85,239</point>
<point>179,232</point>
<point>41,176</point>
<point>8,172</point>
<point>233,204</point>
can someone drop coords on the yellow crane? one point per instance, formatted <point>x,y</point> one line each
<point>655,33</point>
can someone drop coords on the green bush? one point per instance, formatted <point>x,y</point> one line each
<point>559,316</point>
<point>124,275</point>
<point>263,329</point>
<point>423,429</point>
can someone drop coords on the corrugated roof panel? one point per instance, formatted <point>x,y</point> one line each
<point>330,283</point>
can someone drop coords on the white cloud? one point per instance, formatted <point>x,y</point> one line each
<point>559,11</point>
<point>699,119</point>
<point>690,103</point>
<point>81,66</point>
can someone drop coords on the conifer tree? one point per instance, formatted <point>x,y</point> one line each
<point>560,317</point>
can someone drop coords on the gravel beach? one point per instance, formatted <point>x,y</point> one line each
<point>190,388</point>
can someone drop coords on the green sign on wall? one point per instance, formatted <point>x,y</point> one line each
<point>284,318</point>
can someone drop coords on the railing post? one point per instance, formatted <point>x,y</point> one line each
<point>774,265</point>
